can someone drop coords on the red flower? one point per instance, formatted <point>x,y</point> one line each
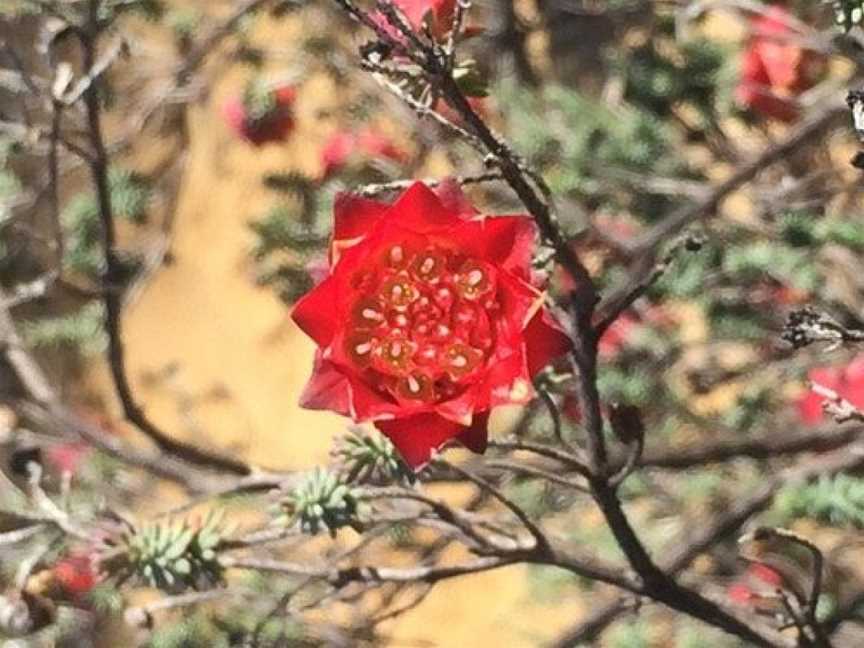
<point>76,574</point>
<point>66,457</point>
<point>775,68</point>
<point>616,336</point>
<point>345,145</point>
<point>439,12</point>
<point>847,382</point>
<point>261,115</point>
<point>427,319</point>
<point>757,588</point>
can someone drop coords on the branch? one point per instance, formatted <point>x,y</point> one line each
<point>766,448</point>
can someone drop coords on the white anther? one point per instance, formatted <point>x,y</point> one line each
<point>475,277</point>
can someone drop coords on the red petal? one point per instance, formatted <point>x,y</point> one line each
<point>508,381</point>
<point>354,216</point>
<point>417,436</point>
<point>476,437</point>
<point>739,593</point>
<point>420,210</point>
<point>316,312</point>
<point>286,95</point>
<point>765,574</point>
<point>460,410</point>
<point>545,340</point>
<point>454,200</point>
<point>327,389</point>
<point>509,243</point>
<point>519,302</point>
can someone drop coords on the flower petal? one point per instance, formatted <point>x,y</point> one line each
<point>415,437</point>
<point>476,437</point>
<point>450,194</point>
<point>355,216</point>
<point>509,243</point>
<point>316,312</point>
<point>327,389</point>
<point>545,340</point>
<point>418,209</point>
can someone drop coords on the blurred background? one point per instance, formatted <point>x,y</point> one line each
<point>231,126</point>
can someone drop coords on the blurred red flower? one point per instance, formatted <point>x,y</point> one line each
<point>76,574</point>
<point>344,146</point>
<point>66,457</point>
<point>439,12</point>
<point>757,588</point>
<point>848,382</point>
<point>427,319</point>
<point>261,115</point>
<point>775,68</point>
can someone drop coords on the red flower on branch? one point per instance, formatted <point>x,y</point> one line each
<point>757,588</point>
<point>848,382</point>
<point>427,319</point>
<point>76,574</point>
<point>439,13</point>
<point>67,457</point>
<point>262,114</point>
<point>343,147</point>
<point>775,68</point>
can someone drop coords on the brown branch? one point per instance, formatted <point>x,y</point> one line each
<point>765,448</point>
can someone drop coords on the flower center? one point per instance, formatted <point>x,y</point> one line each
<point>422,324</point>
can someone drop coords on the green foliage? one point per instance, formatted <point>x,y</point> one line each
<point>750,408</point>
<point>280,229</point>
<point>848,13</point>
<point>620,383</point>
<point>754,261</point>
<point>130,200</point>
<point>292,234</point>
<point>803,229</point>
<point>370,457</point>
<point>658,79</point>
<point>323,501</point>
<point>81,330</point>
<point>690,635</point>
<point>10,187</point>
<point>173,556</point>
<point>230,628</point>
<point>105,599</point>
<point>183,21</point>
<point>630,635</point>
<point>580,143</point>
<point>149,9</point>
<point>837,500</point>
